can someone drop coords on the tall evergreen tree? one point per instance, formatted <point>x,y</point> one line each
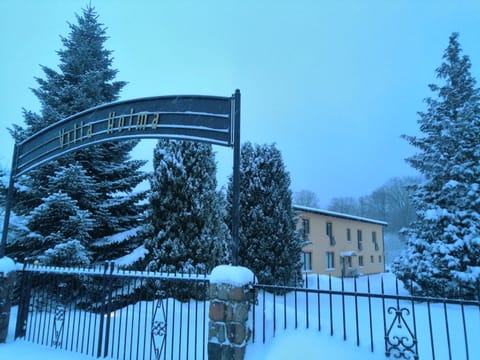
<point>186,209</point>
<point>443,254</point>
<point>269,244</point>
<point>85,78</point>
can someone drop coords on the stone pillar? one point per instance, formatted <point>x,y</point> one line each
<point>230,301</point>
<point>7,284</point>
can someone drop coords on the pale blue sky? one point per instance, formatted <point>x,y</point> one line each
<point>333,83</point>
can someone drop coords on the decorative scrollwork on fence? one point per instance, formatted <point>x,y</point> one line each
<point>400,340</point>
<point>58,326</point>
<point>159,327</point>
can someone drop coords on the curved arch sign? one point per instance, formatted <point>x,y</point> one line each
<point>211,119</point>
<point>199,118</point>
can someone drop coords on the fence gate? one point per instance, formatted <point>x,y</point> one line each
<point>117,314</point>
<point>371,314</point>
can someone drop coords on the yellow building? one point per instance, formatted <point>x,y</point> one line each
<point>340,244</point>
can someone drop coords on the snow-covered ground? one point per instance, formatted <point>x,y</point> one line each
<point>288,345</point>
<point>302,343</point>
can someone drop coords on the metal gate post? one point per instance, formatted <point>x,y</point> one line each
<point>108,310</point>
<point>25,294</point>
<point>7,286</point>
<point>236,180</point>
<point>104,312</point>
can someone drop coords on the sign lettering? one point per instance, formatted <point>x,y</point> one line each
<point>198,118</point>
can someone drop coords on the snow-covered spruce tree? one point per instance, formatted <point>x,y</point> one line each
<point>443,254</point>
<point>85,78</point>
<point>190,234</point>
<point>59,224</point>
<point>269,245</point>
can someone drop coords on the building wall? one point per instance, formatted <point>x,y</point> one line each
<point>340,247</point>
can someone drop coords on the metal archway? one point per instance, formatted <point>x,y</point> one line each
<point>211,119</point>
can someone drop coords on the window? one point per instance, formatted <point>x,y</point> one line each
<point>371,259</point>
<point>330,260</point>
<point>374,239</point>
<point>306,261</point>
<point>379,258</point>
<point>359,240</point>
<point>329,231</point>
<point>305,227</point>
<point>349,235</point>
<point>349,261</point>
<point>360,260</point>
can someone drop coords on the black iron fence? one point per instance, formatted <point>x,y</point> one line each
<point>379,316</point>
<point>106,312</point>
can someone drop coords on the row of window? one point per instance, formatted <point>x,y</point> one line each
<point>330,260</point>
<point>329,233</point>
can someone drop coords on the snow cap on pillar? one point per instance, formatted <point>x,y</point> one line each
<point>233,275</point>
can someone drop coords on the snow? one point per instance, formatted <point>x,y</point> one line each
<point>434,214</point>
<point>23,350</point>
<point>451,184</point>
<point>135,255</point>
<point>203,113</point>
<point>338,214</point>
<point>7,265</point>
<point>348,253</point>
<point>290,345</point>
<point>119,237</point>
<point>301,342</point>
<point>233,275</point>
<point>307,344</point>
<point>287,345</point>
<point>471,275</point>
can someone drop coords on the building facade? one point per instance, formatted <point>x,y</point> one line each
<point>340,244</point>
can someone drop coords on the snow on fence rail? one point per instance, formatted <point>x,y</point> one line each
<point>112,270</point>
